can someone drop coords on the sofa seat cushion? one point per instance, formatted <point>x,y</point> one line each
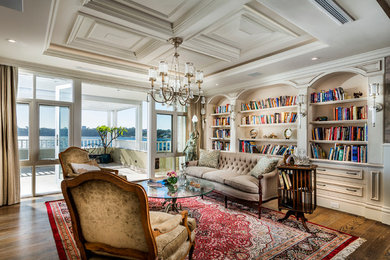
<point>219,175</point>
<point>198,171</point>
<point>246,183</point>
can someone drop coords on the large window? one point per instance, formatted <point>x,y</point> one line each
<point>164,133</point>
<point>44,111</point>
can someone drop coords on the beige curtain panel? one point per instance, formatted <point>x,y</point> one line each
<point>194,109</point>
<point>9,154</point>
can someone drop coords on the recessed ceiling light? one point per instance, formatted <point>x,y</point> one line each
<point>314,58</point>
<point>11,40</point>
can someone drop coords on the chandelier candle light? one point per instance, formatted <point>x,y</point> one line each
<point>172,87</point>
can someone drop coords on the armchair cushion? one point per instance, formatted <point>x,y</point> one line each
<point>209,158</point>
<point>79,168</point>
<point>168,243</point>
<point>164,222</point>
<point>264,165</point>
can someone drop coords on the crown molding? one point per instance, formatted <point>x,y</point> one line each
<point>293,51</point>
<point>139,20</point>
<point>368,60</point>
<point>94,58</point>
<point>51,23</point>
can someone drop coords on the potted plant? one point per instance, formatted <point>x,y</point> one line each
<point>108,135</point>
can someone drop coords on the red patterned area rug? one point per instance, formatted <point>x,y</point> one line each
<point>232,233</point>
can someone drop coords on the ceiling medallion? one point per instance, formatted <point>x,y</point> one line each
<point>173,87</point>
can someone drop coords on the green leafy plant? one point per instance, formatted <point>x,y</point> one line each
<point>108,134</point>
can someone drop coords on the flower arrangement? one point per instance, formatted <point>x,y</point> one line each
<point>172,177</point>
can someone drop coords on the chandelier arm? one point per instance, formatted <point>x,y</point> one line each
<point>155,100</point>
<point>172,94</point>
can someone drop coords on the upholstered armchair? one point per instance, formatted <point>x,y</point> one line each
<point>111,217</point>
<point>77,155</point>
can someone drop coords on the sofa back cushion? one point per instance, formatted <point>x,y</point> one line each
<point>241,163</point>
<point>209,158</point>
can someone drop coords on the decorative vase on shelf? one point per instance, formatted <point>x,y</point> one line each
<point>172,177</point>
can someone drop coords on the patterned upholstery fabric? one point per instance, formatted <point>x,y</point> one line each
<point>168,243</point>
<point>80,168</point>
<point>164,222</point>
<point>115,222</point>
<point>241,163</point>
<point>209,158</point>
<point>264,165</point>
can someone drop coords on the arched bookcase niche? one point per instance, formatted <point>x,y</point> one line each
<point>269,111</point>
<point>337,118</point>
<point>218,123</point>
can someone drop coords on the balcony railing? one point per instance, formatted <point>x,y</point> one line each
<point>49,143</point>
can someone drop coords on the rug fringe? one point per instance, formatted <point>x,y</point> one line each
<point>349,249</point>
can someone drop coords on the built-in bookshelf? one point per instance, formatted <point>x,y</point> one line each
<point>338,119</point>
<point>269,112</point>
<point>220,127</point>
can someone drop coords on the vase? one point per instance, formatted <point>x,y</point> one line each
<point>172,180</point>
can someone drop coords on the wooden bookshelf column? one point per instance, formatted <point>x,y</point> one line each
<point>297,191</point>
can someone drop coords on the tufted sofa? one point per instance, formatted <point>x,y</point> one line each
<point>232,178</point>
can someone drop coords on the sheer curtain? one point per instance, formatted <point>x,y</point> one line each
<point>9,153</point>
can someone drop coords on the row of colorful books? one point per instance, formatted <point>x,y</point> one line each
<point>251,147</point>
<point>277,118</point>
<point>223,146</point>
<point>222,109</point>
<point>221,121</point>
<point>340,133</point>
<point>317,152</point>
<point>352,153</point>
<point>350,113</point>
<point>281,101</point>
<point>330,95</point>
<point>222,133</point>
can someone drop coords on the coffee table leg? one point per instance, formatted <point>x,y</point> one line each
<point>171,205</point>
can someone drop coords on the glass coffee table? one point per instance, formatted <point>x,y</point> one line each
<point>184,188</point>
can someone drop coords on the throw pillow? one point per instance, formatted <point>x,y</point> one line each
<point>264,165</point>
<point>209,158</point>
<point>79,168</point>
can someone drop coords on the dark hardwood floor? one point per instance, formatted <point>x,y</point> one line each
<point>25,231</point>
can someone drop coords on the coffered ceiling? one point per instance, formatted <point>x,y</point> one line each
<point>232,41</point>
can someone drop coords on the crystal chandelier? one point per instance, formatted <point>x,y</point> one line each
<point>172,87</point>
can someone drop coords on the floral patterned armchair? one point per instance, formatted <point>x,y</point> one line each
<point>111,218</point>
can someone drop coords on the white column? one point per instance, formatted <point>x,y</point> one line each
<point>138,127</point>
<point>152,136</point>
<point>77,108</point>
<point>375,134</point>
<point>302,126</point>
<point>233,126</point>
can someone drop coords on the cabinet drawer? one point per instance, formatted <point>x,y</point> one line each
<point>341,188</point>
<point>345,173</point>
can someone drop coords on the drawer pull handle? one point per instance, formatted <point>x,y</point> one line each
<point>319,184</point>
<point>321,170</point>
<point>353,190</point>
<point>351,173</point>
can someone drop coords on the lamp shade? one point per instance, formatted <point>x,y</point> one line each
<point>199,76</point>
<point>189,69</point>
<point>152,74</point>
<point>163,68</point>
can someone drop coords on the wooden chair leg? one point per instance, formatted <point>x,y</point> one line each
<point>226,200</point>
<point>191,251</point>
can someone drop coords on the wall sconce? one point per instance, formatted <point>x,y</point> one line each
<point>301,111</point>
<point>373,91</point>
<point>203,111</point>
